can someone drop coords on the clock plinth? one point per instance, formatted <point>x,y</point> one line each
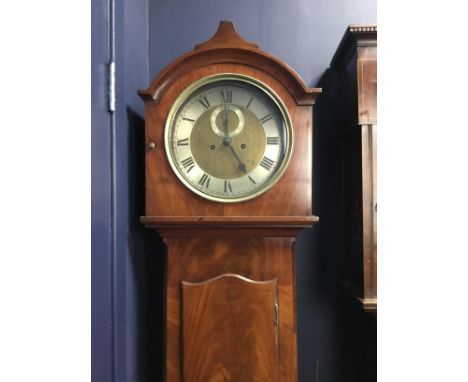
<point>230,289</point>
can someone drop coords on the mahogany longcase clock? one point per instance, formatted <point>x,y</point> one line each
<point>228,187</point>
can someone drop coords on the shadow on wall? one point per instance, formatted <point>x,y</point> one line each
<point>146,255</point>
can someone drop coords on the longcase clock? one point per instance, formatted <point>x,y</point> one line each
<point>352,91</point>
<point>228,187</point>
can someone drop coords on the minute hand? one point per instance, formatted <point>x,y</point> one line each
<point>226,125</point>
<point>227,141</point>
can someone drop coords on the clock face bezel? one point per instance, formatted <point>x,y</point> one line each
<point>270,94</point>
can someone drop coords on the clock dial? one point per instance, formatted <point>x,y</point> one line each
<point>228,138</point>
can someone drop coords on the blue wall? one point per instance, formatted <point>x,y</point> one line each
<point>101,303</point>
<point>304,33</point>
<point>127,258</point>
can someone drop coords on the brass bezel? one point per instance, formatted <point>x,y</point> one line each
<point>232,77</point>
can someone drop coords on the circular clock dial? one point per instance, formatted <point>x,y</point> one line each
<point>228,138</point>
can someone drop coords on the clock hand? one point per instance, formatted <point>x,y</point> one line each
<point>241,164</point>
<point>226,124</point>
<point>227,140</point>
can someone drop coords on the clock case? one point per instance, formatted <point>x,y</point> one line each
<point>230,288</point>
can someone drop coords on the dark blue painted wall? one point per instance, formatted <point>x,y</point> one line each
<point>101,303</point>
<point>304,33</point>
<point>126,258</point>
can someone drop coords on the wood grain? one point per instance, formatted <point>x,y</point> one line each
<point>367,85</point>
<point>230,221</point>
<point>195,260</point>
<point>369,215</point>
<point>229,331</point>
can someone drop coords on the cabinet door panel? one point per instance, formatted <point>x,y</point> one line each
<point>229,330</point>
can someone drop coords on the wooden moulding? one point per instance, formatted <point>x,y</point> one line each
<point>369,304</point>
<point>359,44</point>
<point>229,221</point>
<point>227,46</point>
<point>240,226</point>
<point>355,36</point>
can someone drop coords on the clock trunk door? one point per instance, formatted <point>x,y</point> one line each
<point>229,330</point>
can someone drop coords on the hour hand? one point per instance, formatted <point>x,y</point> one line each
<point>241,164</point>
<point>242,167</point>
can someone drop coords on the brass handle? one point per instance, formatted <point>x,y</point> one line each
<point>152,145</point>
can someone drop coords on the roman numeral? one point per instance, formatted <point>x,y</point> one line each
<point>227,186</point>
<point>250,101</point>
<point>251,180</point>
<point>204,101</point>
<point>188,119</point>
<point>188,163</point>
<point>272,140</point>
<point>204,181</point>
<point>267,163</point>
<point>182,142</point>
<point>266,118</point>
<point>227,97</point>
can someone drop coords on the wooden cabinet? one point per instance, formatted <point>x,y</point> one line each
<point>351,92</point>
